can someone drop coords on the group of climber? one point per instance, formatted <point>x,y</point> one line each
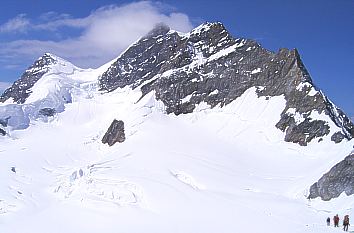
<point>336,222</point>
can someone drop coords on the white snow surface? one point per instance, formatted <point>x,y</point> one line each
<point>215,170</point>
<point>255,71</point>
<point>311,92</point>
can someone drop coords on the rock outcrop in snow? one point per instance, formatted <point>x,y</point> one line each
<point>3,124</point>
<point>209,65</point>
<point>338,180</point>
<point>115,133</point>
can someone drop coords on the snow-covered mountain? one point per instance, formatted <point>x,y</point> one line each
<point>206,133</point>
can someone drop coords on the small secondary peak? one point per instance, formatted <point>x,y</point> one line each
<point>208,26</point>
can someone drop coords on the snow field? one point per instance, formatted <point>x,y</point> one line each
<point>215,170</point>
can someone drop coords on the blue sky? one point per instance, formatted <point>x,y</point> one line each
<point>90,33</point>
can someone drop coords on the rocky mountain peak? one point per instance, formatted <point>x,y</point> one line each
<point>207,29</point>
<point>209,65</point>
<point>21,89</point>
<point>45,60</point>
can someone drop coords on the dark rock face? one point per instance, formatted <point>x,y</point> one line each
<point>3,124</point>
<point>209,65</point>
<point>304,132</point>
<point>115,133</point>
<point>337,137</point>
<point>21,89</point>
<point>338,180</point>
<point>2,132</point>
<point>47,112</point>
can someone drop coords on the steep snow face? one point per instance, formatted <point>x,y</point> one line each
<point>214,170</point>
<point>21,89</point>
<point>46,94</point>
<point>46,76</point>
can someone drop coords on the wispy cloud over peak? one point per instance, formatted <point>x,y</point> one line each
<point>18,24</point>
<point>52,16</point>
<point>98,37</point>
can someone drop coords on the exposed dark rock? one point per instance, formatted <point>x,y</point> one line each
<point>115,133</point>
<point>47,112</point>
<point>337,137</point>
<point>210,65</point>
<point>4,122</point>
<point>2,132</point>
<point>21,89</point>
<point>338,180</point>
<point>340,119</point>
<point>304,132</point>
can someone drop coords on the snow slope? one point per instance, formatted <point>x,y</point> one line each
<point>214,170</point>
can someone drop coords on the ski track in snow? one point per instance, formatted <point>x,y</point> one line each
<point>187,179</point>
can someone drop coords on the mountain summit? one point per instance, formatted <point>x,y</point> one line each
<point>21,89</point>
<point>209,65</point>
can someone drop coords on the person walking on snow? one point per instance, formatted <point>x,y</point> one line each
<point>328,221</point>
<point>336,221</point>
<point>346,223</point>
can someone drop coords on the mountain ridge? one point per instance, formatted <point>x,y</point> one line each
<point>209,65</point>
<point>185,56</point>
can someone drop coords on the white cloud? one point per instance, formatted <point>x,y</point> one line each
<point>105,33</point>
<point>52,16</point>
<point>18,24</point>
